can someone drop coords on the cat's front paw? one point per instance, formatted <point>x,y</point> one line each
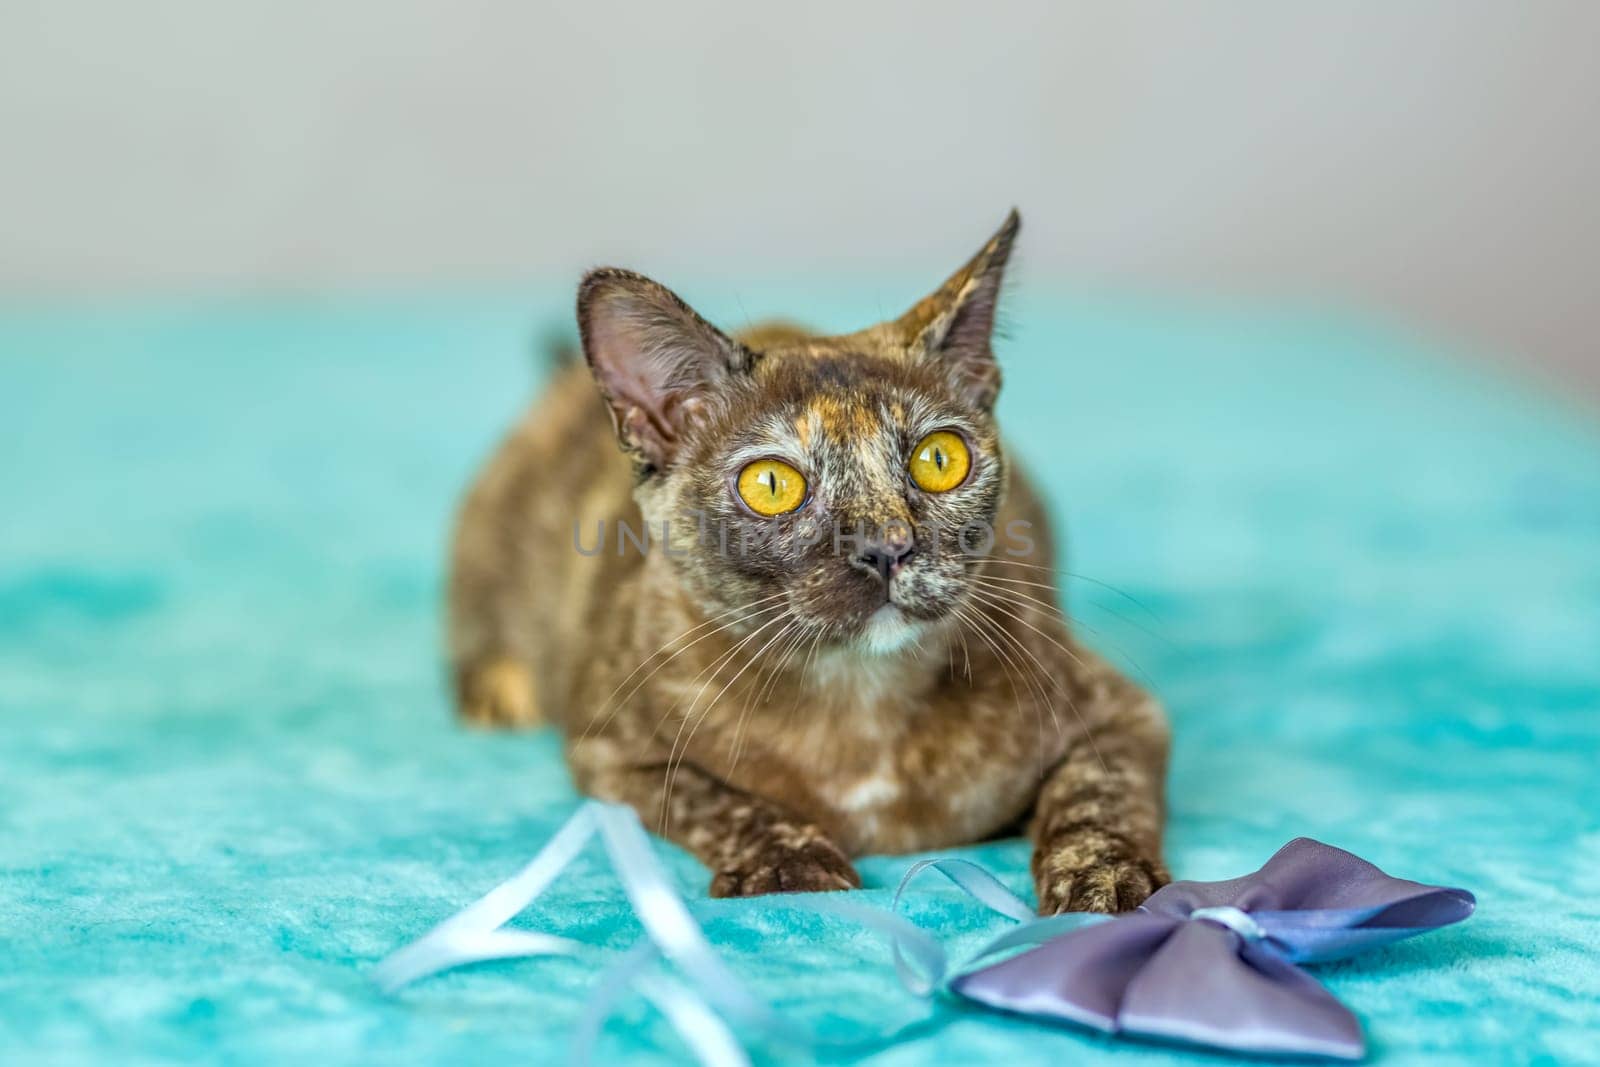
<point>1094,870</point>
<point>798,860</point>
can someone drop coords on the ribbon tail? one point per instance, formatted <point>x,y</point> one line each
<point>616,981</point>
<point>667,921</point>
<point>707,1036</point>
<point>919,960</point>
<point>473,935</point>
<point>442,952</point>
<point>976,882</point>
<point>709,1040</point>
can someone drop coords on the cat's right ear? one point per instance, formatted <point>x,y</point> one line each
<point>656,361</point>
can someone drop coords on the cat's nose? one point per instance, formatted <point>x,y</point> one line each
<point>884,556</point>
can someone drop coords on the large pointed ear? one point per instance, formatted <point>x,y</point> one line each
<point>955,325</point>
<point>656,361</point>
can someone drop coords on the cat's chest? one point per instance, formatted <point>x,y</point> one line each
<point>896,778</point>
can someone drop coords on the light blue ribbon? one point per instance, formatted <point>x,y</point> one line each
<point>701,1009</point>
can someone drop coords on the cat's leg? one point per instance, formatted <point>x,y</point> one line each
<point>490,655</point>
<point>751,844</point>
<point>1097,823</point>
<point>494,685</point>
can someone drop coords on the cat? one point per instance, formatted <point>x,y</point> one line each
<point>786,596</point>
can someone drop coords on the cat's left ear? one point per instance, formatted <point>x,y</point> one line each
<point>955,325</point>
<point>657,362</point>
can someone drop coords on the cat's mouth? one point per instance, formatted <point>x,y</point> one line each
<point>889,629</point>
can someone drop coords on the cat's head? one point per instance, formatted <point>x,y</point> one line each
<point>843,484</point>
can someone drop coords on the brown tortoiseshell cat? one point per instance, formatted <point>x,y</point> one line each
<point>842,638</point>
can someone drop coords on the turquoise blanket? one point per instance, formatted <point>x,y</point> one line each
<point>1365,580</point>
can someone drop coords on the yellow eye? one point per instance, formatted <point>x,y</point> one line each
<point>940,462</point>
<point>771,487</point>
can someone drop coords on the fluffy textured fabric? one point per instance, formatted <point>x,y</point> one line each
<point>1365,581</point>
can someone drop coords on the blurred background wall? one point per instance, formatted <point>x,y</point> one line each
<point>1434,160</point>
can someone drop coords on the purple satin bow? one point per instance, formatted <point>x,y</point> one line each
<point>1214,963</point>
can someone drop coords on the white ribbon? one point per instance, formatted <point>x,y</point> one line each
<point>473,934</point>
<point>477,933</point>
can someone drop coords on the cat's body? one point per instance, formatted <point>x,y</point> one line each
<point>875,747</point>
<point>777,707</point>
